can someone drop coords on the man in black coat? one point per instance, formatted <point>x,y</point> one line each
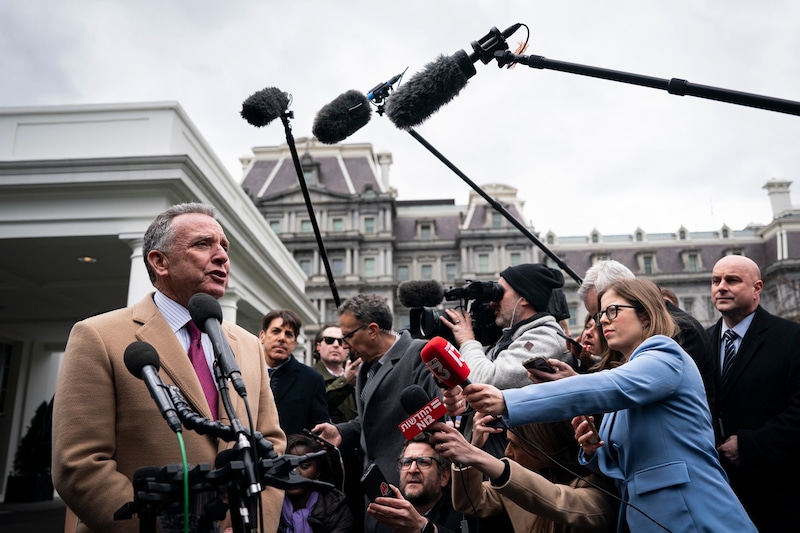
<point>758,396</point>
<point>299,390</point>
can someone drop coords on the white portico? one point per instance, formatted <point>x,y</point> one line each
<point>78,187</point>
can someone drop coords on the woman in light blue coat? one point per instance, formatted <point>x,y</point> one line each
<point>656,439</point>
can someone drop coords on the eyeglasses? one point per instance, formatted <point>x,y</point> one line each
<point>345,337</point>
<point>423,462</point>
<point>613,310</point>
<point>331,340</point>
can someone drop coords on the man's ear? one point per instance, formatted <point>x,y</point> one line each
<point>159,262</point>
<point>445,477</point>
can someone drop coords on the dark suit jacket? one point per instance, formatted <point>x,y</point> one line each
<point>694,341</point>
<point>760,404</point>
<point>380,413</point>
<point>299,392</point>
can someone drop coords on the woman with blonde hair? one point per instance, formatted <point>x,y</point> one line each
<point>656,439</point>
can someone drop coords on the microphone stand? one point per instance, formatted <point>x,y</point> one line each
<point>299,170</point>
<point>244,510</point>
<point>674,86</point>
<point>497,206</point>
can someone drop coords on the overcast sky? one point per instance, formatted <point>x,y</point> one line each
<point>584,153</point>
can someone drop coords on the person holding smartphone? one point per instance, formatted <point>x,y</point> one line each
<point>422,502</point>
<point>656,439</point>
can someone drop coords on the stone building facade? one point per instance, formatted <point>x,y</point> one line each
<point>375,241</point>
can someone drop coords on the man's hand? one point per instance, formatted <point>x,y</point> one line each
<point>461,325</point>
<point>329,432</point>
<point>455,401</point>
<point>351,371</point>
<point>730,450</point>
<point>397,513</point>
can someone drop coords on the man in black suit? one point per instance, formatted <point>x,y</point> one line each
<point>758,395</point>
<point>299,390</point>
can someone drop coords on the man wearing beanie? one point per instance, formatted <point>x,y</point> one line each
<point>528,330</point>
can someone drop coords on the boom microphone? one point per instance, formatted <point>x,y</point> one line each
<point>441,80</point>
<point>445,363</point>
<point>345,115</point>
<point>207,315</point>
<point>349,112</point>
<point>413,293</point>
<point>264,106</point>
<point>141,360</point>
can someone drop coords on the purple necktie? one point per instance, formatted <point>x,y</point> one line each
<point>198,358</point>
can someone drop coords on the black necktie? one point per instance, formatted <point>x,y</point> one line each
<point>730,353</point>
<point>371,369</point>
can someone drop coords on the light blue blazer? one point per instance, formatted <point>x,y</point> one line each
<point>659,442</point>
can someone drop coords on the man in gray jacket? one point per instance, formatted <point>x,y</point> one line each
<point>528,330</point>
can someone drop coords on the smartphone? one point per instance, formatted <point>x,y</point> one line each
<point>374,483</point>
<point>539,363</point>
<point>596,438</point>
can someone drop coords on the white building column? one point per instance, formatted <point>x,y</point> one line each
<point>230,305</point>
<point>139,284</point>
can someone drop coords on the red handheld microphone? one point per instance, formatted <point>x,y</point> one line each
<point>445,363</point>
<point>424,411</point>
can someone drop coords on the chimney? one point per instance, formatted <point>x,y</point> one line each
<point>779,196</point>
<point>385,161</point>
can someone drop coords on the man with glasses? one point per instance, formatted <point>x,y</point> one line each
<point>391,362</point>
<point>298,389</point>
<point>422,502</point>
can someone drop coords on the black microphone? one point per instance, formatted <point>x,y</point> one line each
<point>413,398</point>
<point>264,106</point>
<point>141,360</point>
<point>425,293</point>
<point>345,115</point>
<point>207,315</point>
<point>441,80</point>
<point>349,112</point>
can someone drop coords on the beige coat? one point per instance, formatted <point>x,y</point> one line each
<point>574,507</point>
<point>105,425</point>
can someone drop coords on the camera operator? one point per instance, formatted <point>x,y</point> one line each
<point>528,330</point>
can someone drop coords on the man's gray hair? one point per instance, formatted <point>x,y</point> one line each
<point>602,275</point>
<point>368,308</point>
<point>160,235</point>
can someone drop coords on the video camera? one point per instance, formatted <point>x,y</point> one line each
<point>475,297</point>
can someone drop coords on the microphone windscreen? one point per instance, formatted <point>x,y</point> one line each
<point>413,398</point>
<point>203,306</point>
<point>338,120</point>
<point>445,362</point>
<point>138,355</point>
<point>425,293</point>
<point>264,106</point>
<point>438,83</point>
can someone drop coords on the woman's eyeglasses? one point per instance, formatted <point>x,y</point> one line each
<point>423,462</point>
<point>331,340</point>
<point>612,311</point>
